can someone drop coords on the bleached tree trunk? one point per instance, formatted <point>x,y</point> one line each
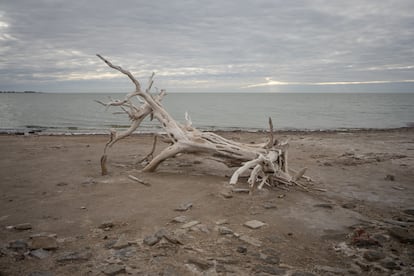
<point>265,162</point>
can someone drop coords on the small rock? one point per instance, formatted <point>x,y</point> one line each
<point>269,205</point>
<point>74,256</point>
<point>114,269</point>
<point>151,240</point>
<point>190,224</point>
<point>179,219</point>
<point>373,255</point>
<point>348,205</point>
<point>324,205</point>
<point>409,211</point>
<point>172,238</point>
<point>122,242</point>
<point>226,193</point>
<point>23,226</point>
<point>253,224</point>
<point>272,270</point>
<point>40,253</point>
<point>250,240</point>
<point>41,273</point>
<point>201,264</point>
<point>242,249</point>
<point>44,241</point>
<point>223,230</point>
<point>18,245</point>
<point>60,184</point>
<point>402,235</point>
<point>221,221</point>
<point>106,225</point>
<point>201,227</point>
<point>184,207</point>
<point>390,177</point>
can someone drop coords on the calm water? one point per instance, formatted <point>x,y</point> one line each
<point>78,113</point>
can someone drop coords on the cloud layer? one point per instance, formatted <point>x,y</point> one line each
<point>200,46</point>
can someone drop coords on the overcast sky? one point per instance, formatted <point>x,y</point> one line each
<point>217,45</point>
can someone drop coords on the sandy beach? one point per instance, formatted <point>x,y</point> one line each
<point>59,216</point>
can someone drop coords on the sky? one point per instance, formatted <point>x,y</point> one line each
<point>208,46</point>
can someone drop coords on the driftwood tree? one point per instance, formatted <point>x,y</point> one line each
<point>265,163</point>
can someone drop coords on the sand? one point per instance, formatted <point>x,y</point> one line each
<point>362,191</point>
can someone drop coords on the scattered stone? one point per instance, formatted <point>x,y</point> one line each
<point>390,177</point>
<point>122,242</point>
<point>253,224</point>
<point>60,184</point>
<point>161,233</point>
<point>330,269</point>
<point>409,211</point>
<point>190,224</point>
<point>242,249</point>
<point>273,270</point>
<point>201,227</point>
<point>201,264</point>
<point>41,273</point>
<point>373,255</point>
<point>44,241</point>
<point>172,238</point>
<point>223,230</point>
<point>151,240</point>
<point>324,205</point>
<point>250,240</point>
<point>222,221</point>
<point>40,253</point>
<point>126,253</point>
<point>107,225</point>
<point>18,245</point>
<point>327,164</point>
<point>270,256</point>
<point>402,235</point>
<point>269,205</point>
<point>184,207</point>
<point>74,256</point>
<point>348,205</point>
<point>226,193</point>
<point>114,269</point>
<point>23,226</point>
<point>179,219</point>
<point>240,190</point>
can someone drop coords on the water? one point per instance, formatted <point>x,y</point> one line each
<point>78,113</point>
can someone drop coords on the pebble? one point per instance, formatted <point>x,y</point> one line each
<point>250,240</point>
<point>242,249</point>
<point>226,193</point>
<point>190,224</point>
<point>23,226</point>
<point>269,205</point>
<point>201,264</point>
<point>348,205</point>
<point>44,241</point>
<point>18,245</point>
<point>114,269</point>
<point>151,240</point>
<point>221,221</point>
<point>223,230</point>
<point>74,256</point>
<point>184,207</point>
<point>122,242</point>
<point>324,205</point>
<point>273,270</point>
<point>373,255</point>
<point>180,219</point>
<point>40,253</point>
<point>106,225</point>
<point>253,224</point>
<point>390,177</point>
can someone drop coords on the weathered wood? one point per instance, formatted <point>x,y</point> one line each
<point>265,163</point>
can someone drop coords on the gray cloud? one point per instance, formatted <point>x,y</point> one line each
<point>208,45</point>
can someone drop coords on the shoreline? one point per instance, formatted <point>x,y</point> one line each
<point>20,132</point>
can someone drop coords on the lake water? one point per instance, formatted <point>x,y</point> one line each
<point>79,113</point>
